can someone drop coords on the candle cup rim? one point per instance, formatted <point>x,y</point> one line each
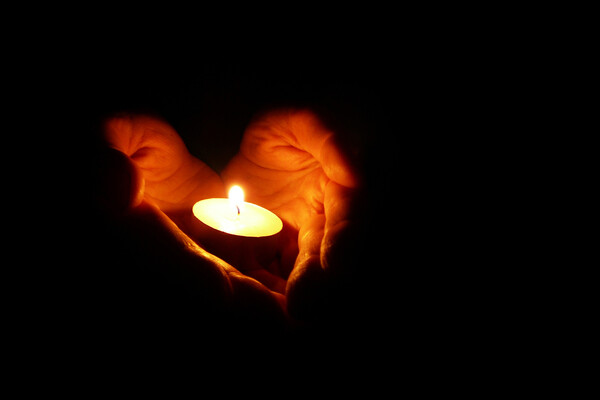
<point>246,204</point>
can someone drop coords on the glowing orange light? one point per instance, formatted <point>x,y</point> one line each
<point>237,217</point>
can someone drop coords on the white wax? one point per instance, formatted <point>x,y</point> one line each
<point>252,220</point>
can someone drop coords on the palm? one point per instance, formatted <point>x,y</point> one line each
<point>173,178</point>
<point>289,163</point>
<point>284,165</point>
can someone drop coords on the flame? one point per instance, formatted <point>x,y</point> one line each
<point>236,196</point>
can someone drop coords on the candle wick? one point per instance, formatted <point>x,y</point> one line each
<point>238,208</point>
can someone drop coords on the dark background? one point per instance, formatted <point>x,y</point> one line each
<point>404,104</point>
<point>209,100</point>
<point>429,107</point>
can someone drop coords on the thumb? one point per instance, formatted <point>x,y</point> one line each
<point>117,182</point>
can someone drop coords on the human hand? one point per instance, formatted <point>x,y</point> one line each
<point>150,186</point>
<point>290,163</point>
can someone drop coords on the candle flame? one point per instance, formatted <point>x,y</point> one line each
<point>236,196</point>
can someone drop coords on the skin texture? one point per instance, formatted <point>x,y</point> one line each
<point>289,162</point>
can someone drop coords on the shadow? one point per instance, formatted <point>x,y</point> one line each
<point>275,254</point>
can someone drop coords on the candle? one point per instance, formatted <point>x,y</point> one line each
<point>241,233</point>
<point>237,217</point>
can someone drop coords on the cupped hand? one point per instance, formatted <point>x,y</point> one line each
<point>159,183</point>
<point>172,178</point>
<point>291,163</point>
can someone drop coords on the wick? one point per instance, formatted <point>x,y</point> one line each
<point>238,208</point>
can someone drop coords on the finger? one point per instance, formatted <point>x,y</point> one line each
<point>271,281</point>
<point>305,289</point>
<point>328,253</point>
<point>166,267</point>
<point>194,279</point>
<point>117,183</point>
<point>315,138</point>
<point>339,244</point>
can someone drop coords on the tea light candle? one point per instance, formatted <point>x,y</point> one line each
<point>237,217</point>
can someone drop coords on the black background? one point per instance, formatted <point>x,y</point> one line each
<point>428,99</point>
<point>209,98</point>
<point>403,101</point>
